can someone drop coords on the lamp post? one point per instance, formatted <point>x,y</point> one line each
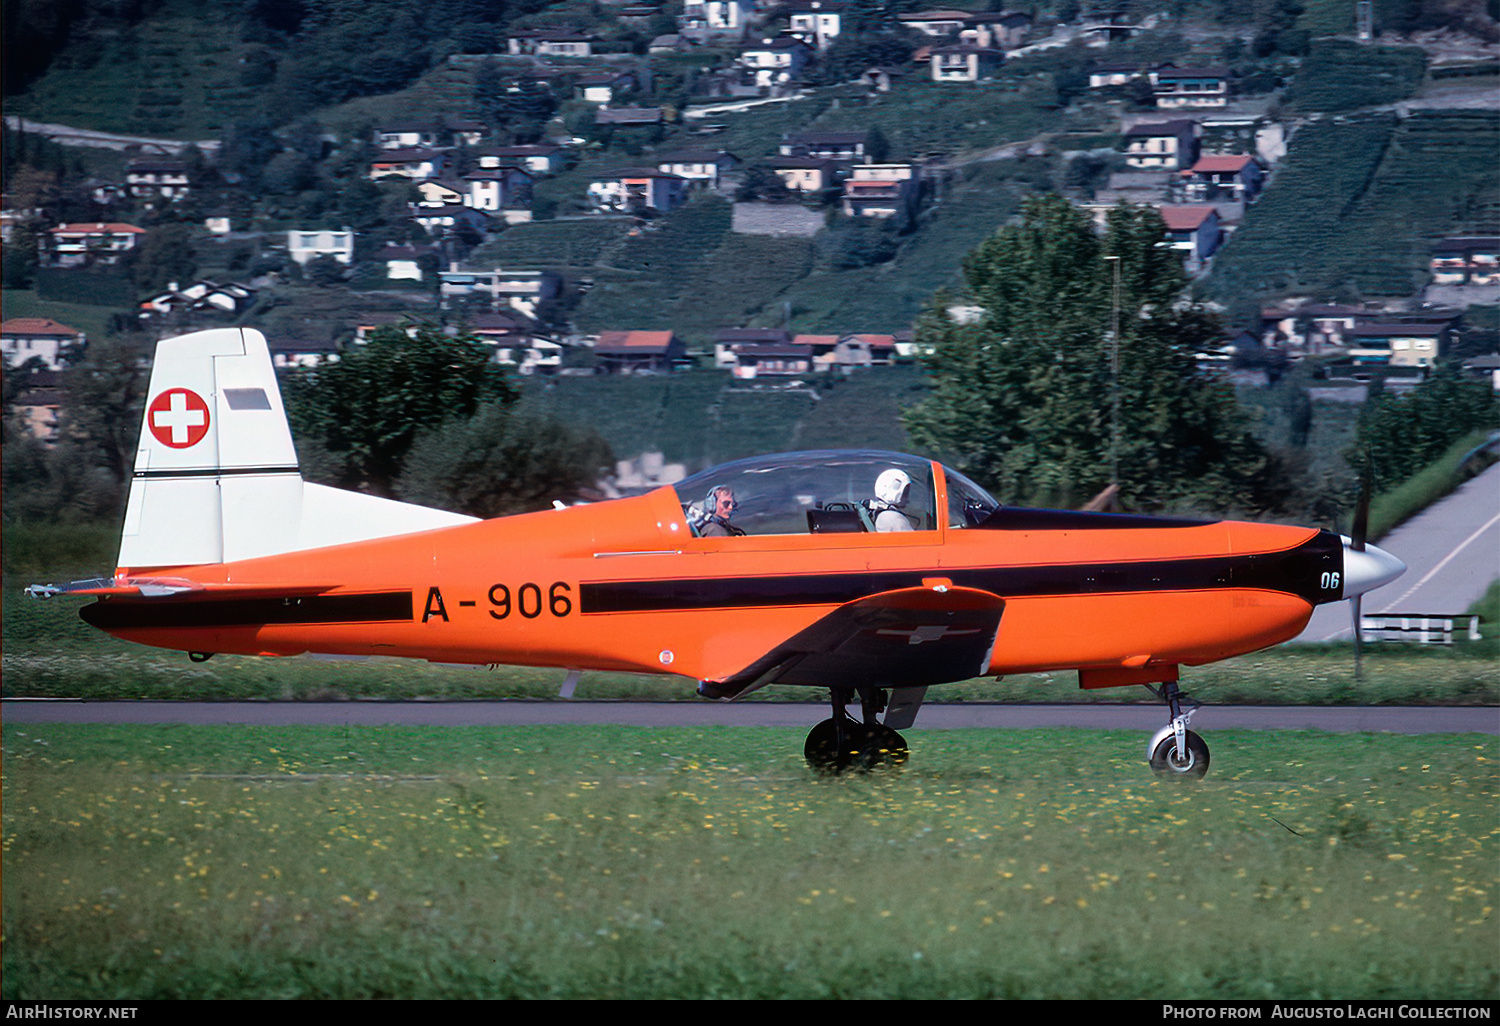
<point>1114,375</point>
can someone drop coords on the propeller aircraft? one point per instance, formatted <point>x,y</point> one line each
<point>873,575</point>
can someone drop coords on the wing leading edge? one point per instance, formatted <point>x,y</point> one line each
<point>906,639</point>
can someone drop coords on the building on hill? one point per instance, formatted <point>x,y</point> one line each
<point>1194,230</point>
<point>550,43</point>
<point>1400,344</point>
<point>707,21</point>
<point>538,158</point>
<point>964,62</point>
<point>523,292</point>
<point>703,169</point>
<point>201,299</point>
<point>288,352</point>
<point>638,190</point>
<point>1169,145</point>
<point>1178,88</point>
<point>1222,177</point>
<point>808,175</point>
<point>54,343</point>
<point>882,190</point>
<point>151,180</point>
<point>303,246</point>
<point>639,352</point>
<point>37,409</point>
<point>727,341</point>
<point>1466,260</point>
<point>416,163</point>
<point>1312,328</point>
<point>816,22</point>
<point>88,243</point>
<point>411,135</point>
<point>775,64</point>
<point>840,147</point>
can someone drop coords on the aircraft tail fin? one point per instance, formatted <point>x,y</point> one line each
<point>216,474</point>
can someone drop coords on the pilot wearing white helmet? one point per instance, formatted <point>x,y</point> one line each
<point>892,488</point>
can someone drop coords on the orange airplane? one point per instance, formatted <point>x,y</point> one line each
<point>870,574</point>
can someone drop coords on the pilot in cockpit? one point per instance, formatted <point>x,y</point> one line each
<point>892,489</point>
<point>718,506</point>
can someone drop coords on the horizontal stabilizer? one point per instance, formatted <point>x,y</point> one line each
<point>166,587</point>
<point>914,637</point>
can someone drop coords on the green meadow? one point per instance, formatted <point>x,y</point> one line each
<point>560,862</point>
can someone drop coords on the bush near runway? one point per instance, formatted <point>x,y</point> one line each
<point>164,862</point>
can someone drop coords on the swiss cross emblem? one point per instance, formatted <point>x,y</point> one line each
<point>178,418</point>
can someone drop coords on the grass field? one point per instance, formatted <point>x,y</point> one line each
<point>166,862</point>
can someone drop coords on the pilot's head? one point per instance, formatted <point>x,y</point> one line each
<point>892,487</point>
<point>721,502</point>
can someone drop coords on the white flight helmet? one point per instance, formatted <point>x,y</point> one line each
<point>892,487</point>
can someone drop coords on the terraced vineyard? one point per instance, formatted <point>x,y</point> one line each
<point>1340,75</point>
<point>1359,200</point>
<point>705,417</point>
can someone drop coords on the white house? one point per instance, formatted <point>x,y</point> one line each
<point>305,246</point>
<point>22,338</point>
<point>816,22</point>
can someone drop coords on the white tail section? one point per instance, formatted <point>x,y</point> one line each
<point>216,474</point>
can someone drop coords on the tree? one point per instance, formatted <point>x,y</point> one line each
<point>1401,434</point>
<point>1023,398</point>
<point>356,419</point>
<point>503,460</point>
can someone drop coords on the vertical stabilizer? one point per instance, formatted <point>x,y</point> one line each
<point>216,476</point>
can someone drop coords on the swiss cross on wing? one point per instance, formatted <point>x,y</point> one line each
<point>178,418</point>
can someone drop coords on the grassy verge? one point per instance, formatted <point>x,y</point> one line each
<point>1390,509</point>
<point>168,862</point>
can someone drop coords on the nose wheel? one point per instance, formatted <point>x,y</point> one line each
<point>841,743</point>
<point>1174,752</point>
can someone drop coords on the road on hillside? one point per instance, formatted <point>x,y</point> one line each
<point>1452,555</point>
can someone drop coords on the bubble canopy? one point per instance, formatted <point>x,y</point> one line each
<point>831,491</point>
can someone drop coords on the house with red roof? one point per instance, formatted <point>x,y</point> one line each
<point>639,352</point>
<point>94,242</point>
<point>1194,230</point>
<point>1219,177</point>
<point>22,338</point>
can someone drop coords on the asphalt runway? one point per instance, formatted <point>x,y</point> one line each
<point>936,716</point>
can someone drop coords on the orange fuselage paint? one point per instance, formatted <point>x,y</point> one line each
<point>624,585</point>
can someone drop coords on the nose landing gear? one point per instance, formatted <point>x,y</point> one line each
<point>1174,752</point>
<point>843,743</point>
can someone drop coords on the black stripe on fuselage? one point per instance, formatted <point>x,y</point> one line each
<point>1297,571</point>
<point>180,612</point>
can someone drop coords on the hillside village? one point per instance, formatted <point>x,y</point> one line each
<point>664,187</point>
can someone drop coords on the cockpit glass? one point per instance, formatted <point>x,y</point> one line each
<point>968,504</point>
<point>812,493</point>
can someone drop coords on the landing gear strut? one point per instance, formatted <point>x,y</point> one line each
<point>843,743</point>
<point>1176,753</point>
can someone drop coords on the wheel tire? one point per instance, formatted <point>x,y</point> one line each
<point>882,748</point>
<point>822,749</point>
<point>1166,763</point>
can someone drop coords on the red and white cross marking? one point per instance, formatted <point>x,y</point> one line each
<point>178,418</point>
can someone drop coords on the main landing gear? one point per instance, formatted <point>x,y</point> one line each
<point>843,743</point>
<point>1176,753</point>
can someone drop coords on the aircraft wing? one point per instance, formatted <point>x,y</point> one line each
<point>165,587</point>
<point>904,639</point>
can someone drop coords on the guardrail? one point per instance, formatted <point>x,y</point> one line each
<point>1421,628</point>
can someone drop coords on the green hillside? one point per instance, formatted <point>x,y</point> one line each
<point>1358,201</point>
<point>706,417</point>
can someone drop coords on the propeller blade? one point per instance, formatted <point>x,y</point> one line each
<point>1354,604</point>
<point>1362,509</point>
